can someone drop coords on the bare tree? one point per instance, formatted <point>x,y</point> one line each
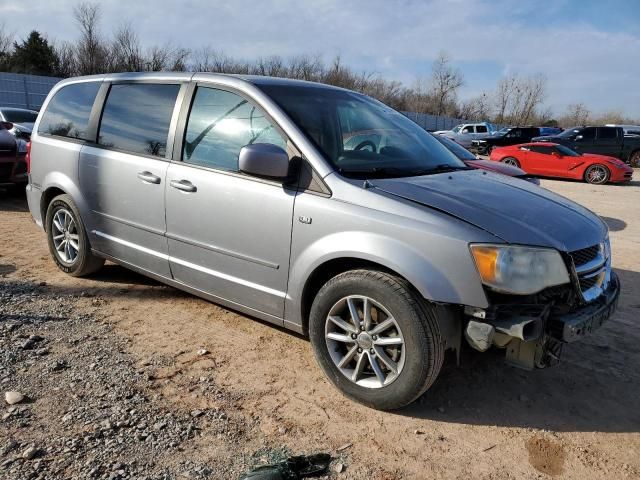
<point>445,82</point>
<point>126,53</point>
<point>6,46</point>
<point>91,53</point>
<point>577,114</point>
<point>67,66</point>
<point>476,108</point>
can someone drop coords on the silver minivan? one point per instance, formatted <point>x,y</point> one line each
<point>320,210</point>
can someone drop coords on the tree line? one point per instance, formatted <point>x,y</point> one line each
<point>516,99</point>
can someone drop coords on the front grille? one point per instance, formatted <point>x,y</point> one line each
<point>585,255</point>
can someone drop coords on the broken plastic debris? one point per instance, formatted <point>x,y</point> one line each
<point>293,468</point>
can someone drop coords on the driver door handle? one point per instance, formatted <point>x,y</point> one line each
<point>148,177</point>
<point>183,185</point>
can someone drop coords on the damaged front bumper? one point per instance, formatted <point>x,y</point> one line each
<point>534,334</point>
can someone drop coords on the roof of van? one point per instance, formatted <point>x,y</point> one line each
<point>185,76</point>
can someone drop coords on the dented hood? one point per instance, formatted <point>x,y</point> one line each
<point>510,209</point>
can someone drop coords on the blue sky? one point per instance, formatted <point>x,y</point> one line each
<point>589,50</point>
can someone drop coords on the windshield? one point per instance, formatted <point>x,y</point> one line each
<point>503,131</point>
<point>19,116</point>
<point>571,132</point>
<point>361,137</point>
<point>566,151</point>
<point>457,149</point>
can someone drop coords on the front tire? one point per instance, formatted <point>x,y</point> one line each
<point>511,161</point>
<point>634,160</point>
<point>597,174</point>
<point>67,238</point>
<point>377,340</point>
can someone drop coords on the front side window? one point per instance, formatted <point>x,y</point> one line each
<point>359,136</point>
<point>468,129</point>
<point>588,133</point>
<point>566,151</point>
<point>514,133</point>
<point>220,124</point>
<point>481,129</point>
<point>541,149</point>
<point>136,117</point>
<point>68,112</point>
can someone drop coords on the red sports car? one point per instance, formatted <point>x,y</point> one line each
<point>554,160</point>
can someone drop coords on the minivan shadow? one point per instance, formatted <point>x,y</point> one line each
<point>13,199</point>
<point>595,388</point>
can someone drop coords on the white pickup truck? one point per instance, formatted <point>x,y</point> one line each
<point>466,132</point>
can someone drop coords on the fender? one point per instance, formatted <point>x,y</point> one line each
<point>432,281</point>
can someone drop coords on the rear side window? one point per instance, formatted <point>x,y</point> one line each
<point>136,117</point>
<point>220,124</point>
<point>607,132</point>
<point>68,112</point>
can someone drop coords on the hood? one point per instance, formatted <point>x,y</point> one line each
<point>496,167</point>
<point>490,136</point>
<point>513,210</point>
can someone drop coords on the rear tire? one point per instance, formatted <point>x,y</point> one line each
<point>511,161</point>
<point>597,174</point>
<point>399,362</point>
<point>67,238</point>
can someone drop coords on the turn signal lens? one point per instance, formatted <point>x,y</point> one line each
<point>486,260</point>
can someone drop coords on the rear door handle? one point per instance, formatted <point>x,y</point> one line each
<point>148,177</point>
<point>183,185</point>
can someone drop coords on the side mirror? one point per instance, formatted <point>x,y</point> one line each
<point>264,160</point>
<point>7,125</point>
<point>579,137</point>
<point>556,154</point>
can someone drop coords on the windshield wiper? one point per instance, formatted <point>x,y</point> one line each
<point>442,168</point>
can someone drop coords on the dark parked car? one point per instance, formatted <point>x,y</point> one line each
<point>609,141</point>
<point>472,161</point>
<point>22,120</point>
<point>13,168</point>
<point>502,138</point>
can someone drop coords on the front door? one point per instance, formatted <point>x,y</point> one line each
<point>123,175</point>
<point>229,234</point>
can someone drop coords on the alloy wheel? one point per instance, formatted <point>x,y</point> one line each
<point>65,236</point>
<point>365,341</point>
<point>597,174</point>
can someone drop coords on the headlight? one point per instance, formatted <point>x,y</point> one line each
<point>519,270</point>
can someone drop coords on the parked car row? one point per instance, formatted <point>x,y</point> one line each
<point>609,141</point>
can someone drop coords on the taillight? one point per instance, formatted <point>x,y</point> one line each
<point>27,157</point>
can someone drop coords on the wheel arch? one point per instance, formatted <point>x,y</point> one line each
<point>456,284</point>
<point>56,184</point>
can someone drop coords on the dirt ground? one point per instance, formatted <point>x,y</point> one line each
<point>580,420</point>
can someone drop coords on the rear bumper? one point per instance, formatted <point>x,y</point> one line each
<point>13,170</point>
<point>34,195</point>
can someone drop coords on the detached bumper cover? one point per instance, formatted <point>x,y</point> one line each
<point>574,326</point>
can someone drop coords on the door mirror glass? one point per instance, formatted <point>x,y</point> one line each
<point>556,154</point>
<point>264,160</point>
<point>579,137</point>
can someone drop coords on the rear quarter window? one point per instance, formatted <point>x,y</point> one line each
<point>68,112</point>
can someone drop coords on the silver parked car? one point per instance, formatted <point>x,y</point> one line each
<point>321,210</point>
